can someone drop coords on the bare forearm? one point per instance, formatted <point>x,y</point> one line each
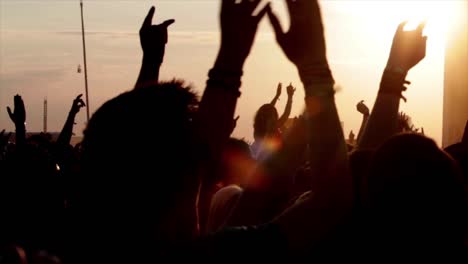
<point>20,134</point>
<point>275,99</point>
<point>383,120</point>
<point>287,112</point>
<point>214,124</point>
<point>365,118</point>
<point>328,153</point>
<point>316,215</point>
<point>219,101</point>
<point>149,73</point>
<point>67,131</point>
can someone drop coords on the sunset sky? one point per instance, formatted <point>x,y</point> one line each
<point>40,49</point>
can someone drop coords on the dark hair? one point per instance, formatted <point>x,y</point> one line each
<point>238,145</point>
<point>265,121</point>
<point>415,196</point>
<point>137,151</point>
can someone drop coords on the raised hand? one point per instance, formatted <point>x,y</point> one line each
<point>67,130</point>
<point>278,90</point>
<point>304,43</point>
<point>78,103</point>
<point>404,122</point>
<point>153,38</point>
<point>408,48</point>
<point>18,116</point>
<point>362,108</point>
<point>238,29</point>
<point>290,90</point>
<point>278,94</point>
<point>287,110</point>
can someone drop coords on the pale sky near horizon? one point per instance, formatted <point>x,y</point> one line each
<point>40,49</point>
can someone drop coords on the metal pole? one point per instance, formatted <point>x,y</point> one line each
<point>85,65</point>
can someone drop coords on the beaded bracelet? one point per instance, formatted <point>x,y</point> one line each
<point>228,80</point>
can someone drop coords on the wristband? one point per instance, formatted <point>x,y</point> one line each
<point>314,74</point>
<point>320,90</point>
<point>393,82</point>
<point>228,80</point>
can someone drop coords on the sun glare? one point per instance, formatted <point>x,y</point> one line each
<point>438,15</point>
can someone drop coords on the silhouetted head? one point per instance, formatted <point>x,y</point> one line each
<point>137,157</point>
<point>415,196</point>
<point>265,122</point>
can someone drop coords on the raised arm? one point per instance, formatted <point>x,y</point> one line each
<point>364,110</point>
<point>18,116</point>
<point>153,39</point>
<point>216,111</point>
<point>304,44</point>
<point>67,131</point>
<point>278,94</point>
<point>408,49</point>
<point>287,110</point>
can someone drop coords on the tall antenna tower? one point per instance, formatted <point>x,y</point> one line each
<point>45,115</point>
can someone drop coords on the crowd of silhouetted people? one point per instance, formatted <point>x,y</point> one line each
<point>181,188</point>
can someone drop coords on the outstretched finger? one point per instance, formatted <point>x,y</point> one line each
<point>10,113</point>
<point>401,26</point>
<point>79,97</point>
<point>19,103</point>
<point>237,118</point>
<point>275,24</point>
<point>262,12</point>
<point>149,18</point>
<point>421,27</point>
<point>168,22</point>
